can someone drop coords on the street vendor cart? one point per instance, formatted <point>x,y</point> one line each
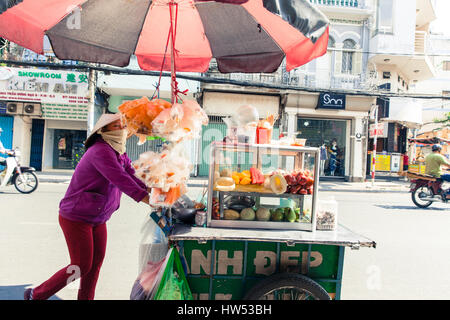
<point>265,264</point>
<point>260,255</point>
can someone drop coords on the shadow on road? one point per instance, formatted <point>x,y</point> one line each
<point>16,292</point>
<point>408,207</point>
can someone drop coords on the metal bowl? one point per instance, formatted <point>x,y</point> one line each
<point>238,203</point>
<point>185,215</point>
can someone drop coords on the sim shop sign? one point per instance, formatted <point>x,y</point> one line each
<point>238,265</point>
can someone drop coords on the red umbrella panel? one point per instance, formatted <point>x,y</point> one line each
<point>243,36</point>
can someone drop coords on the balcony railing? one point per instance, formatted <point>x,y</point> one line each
<point>340,3</point>
<point>301,79</point>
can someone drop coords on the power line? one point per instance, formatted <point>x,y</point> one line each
<point>205,79</point>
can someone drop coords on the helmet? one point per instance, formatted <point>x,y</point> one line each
<point>436,147</point>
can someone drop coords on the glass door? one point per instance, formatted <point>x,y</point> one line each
<point>68,146</point>
<point>331,136</point>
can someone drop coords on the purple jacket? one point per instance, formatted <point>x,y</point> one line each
<point>97,185</point>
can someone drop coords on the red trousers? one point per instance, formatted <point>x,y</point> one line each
<point>87,246</point>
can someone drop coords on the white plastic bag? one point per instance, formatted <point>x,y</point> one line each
<point>154,244</point>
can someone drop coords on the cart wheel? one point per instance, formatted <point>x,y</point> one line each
<point>287,286</point>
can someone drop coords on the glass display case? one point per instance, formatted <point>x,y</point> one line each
<point>256,186</point>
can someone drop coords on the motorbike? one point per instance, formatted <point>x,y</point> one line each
<point>426,190</point>
<point>23,178</point>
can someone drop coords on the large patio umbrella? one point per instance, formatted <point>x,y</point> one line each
<point>242,35</point>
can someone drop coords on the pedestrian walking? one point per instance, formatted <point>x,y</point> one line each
<point>102,175</point>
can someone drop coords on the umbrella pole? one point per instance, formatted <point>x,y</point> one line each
<point>173,91</point>
<point>172,73</point>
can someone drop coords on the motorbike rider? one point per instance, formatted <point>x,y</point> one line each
<point>434,161</point>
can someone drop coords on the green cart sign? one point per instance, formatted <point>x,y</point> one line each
<point>226,270</point>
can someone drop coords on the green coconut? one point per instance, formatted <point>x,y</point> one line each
<point>248,214</point>
<point>263,214</point>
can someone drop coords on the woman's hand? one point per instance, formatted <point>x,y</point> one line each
<point>146,199</point>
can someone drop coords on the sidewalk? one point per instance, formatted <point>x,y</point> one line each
<point>381,184</point>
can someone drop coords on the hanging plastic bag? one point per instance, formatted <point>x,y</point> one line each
<point>173,284</point>
<point>154,244</point>
<point>152,255</point>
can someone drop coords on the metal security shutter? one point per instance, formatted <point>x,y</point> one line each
<point>37,141</point>
<point>7,124</point>
<point>214,131</point>
<point>134,150</point>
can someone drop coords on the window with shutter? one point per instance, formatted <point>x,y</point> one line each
<point>348,56</point>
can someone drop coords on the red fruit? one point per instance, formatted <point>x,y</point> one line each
<point>303,181</point>
<point>290,179</point>
<point>303,191</point>
<point>296,189</point>
<point>257,176</point>
<point>309,182</point>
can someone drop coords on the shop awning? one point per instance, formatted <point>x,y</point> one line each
<point>406,111</point>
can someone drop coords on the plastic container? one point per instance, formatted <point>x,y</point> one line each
<point>263,135</point>
<point>327,214</point>
<point>300,142</point>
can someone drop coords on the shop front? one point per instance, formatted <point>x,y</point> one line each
<point>335,123</point>
<point>67,148</point>
<point>331,137</point>
<point>50,109</point>
<point>63,144</point>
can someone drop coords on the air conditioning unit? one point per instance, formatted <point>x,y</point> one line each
<point>14,108</point>
<point>32,109</point>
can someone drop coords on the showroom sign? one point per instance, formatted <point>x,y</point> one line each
<point>44,86</point>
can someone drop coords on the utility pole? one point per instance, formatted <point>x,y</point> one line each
<point>374,114</point>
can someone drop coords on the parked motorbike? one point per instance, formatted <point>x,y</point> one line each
<point>426,190</point>
<point>23,178</point>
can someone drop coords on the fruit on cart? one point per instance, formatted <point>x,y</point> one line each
<point>246,174</point>
<point>215,209</point>
<point>297,214</point>
<point>248,214</point>
<point>278,184</point>
<point>257,176</point>
<point>291,216</point>
<point>278,214</point>
<point>263,214</point>
<point>245,181</point>
<point>231,214</point>
<point>225,172</point>
<point>299,182</point>
<point>235,177</point>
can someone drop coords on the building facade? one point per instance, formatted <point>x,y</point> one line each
<point>47,114</point>
<point>399,59</point>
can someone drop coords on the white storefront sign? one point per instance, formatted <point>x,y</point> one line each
<point>380,130</point>
<point>62,94</point>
